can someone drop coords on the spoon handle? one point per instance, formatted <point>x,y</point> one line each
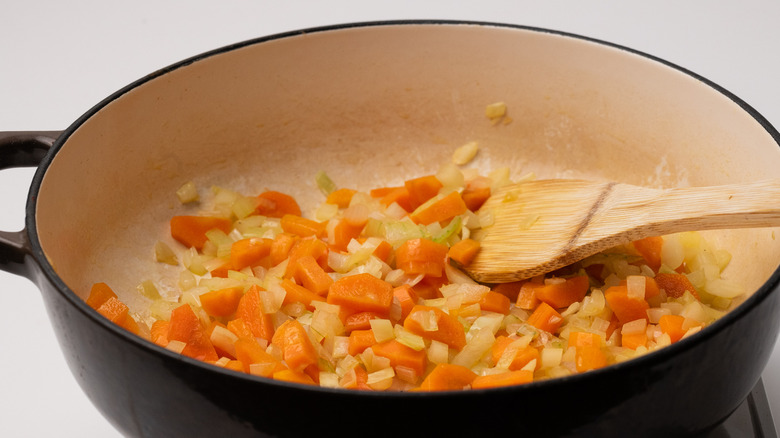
<point>657,212</point>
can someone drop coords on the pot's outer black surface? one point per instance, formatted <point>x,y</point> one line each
<point>145,390</point>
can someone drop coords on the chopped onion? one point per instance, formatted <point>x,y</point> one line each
<point>468,151</point>
<point>672,251</point>
<point>636,286</point>
<point>187,193</point>
<point>382,328</point>
<point>164,254</point>
<point>326,212</point>
<point>244,206</point>
<point>438,352</point>
<point>634,327</point>
<point>724,288</point>
<point>176,346</point>
<point>495,110</point>
<point>455,275</point>
<point>408,338</point>
<point>427,320</point>
<point>551,357</point>
<point>149,290</point>
<point>450,176</point>
<point>654,314</point>
<point>475,349</point>
<point>381,380</point>
<point>224,339</point>
<point>340,347</point>
<point>329,380</point>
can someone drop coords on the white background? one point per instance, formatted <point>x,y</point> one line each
<point>58,58</point>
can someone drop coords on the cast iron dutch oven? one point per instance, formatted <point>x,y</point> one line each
<point>372,104</point>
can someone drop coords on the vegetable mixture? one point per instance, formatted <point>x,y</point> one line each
<point>363,293</point>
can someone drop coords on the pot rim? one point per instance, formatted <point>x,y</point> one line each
<point>45,269</point>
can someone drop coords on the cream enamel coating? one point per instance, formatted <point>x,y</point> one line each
<point>373,106</point>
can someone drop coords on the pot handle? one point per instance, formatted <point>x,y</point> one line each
<point>21,149</point>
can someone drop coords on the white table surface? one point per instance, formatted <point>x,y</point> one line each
<point>59,58</point>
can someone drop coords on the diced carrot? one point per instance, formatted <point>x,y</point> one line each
<point>589,358</point>
<point>360,320</point>
<point>276,204</point>
<point>675,285</point>
<point>361,378</point>
<point>596,271</point>
<point>401,355</point>
<point>298,293</point>
<point>301,226</point>
<point>359,340</point>
<point>381,192</point>
<point>476,193</point>
<point>306,247</point>
<point>222,270</point>
<point>585,339</point>
<point>250,311</point>
<point>434,324</point>
<point>99,294</point>
<point>614,323</point>
<point>672,325</point>
<point>235,365</point>
<point>421,256</point>
<point>241,329</point>
<point>186,327</point>
<point>448,377</point>
<point>429,287</point>
<point>281,247</point>
<point>633,340</point>
<point>310,275</point>
<point>383,251</point>
<point>398,195</point>
<point>118,313</point>
<point>508,378</point>
<point>191,230</point>
<point>526,296</point>
<point>564,294</point>
<point>343,233</point>
<point>223,302</point>
<point>293,377</point>
<point>407,298</point>
<point>510,290</point>
<point>422,189</point>
<point>362,292</point>
<point>249,352</point>
<point>522,358</point>
<point>626,308</point>
<point>249,252</point>
<point>159,332</point>
<point>546,318</point>
<point>494,302</point>
<point>442,210</point>
<point>464,251</point>
<point>650,250</point>
<point>341,197</point>
<point>297,350</point>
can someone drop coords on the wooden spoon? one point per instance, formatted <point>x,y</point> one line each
<point>544,225</point>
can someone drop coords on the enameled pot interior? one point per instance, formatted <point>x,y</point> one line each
<point>372,106</point>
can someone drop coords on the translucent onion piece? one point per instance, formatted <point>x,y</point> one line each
<point>187,193</point>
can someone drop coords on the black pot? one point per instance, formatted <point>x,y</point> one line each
<point>335,99</point>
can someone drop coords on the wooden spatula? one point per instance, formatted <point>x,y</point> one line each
<point>542,225</point>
